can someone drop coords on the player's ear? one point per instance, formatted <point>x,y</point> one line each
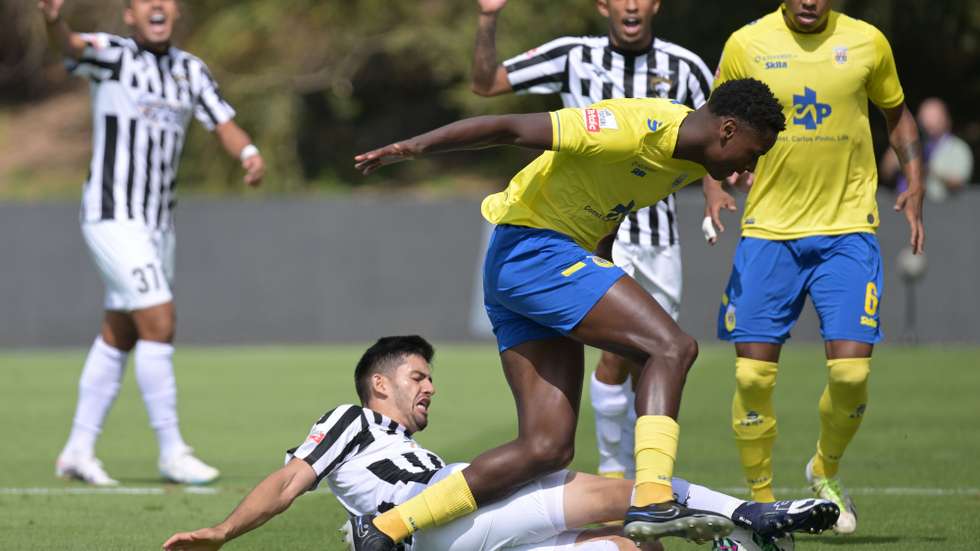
<point>656,7</point>
<point>379,384</point>
<point>128,16</point>
<point>728,129</point>
<point>603,7</point>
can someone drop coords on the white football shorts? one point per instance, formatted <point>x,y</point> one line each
<point>657,269</point>
<point>136,262</point>
<point>533,518</point>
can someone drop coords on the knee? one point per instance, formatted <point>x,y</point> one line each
<point>158,326</point>
<point>754,375</point>
<point>547,454</point>
<point>849,372</point>
<point>681,350</point>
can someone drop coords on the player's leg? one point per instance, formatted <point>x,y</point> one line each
<point>155,319</point>
<point>762,300</point>
<point>97,390</point>
<point>846,292</point>
<point>628,321</point>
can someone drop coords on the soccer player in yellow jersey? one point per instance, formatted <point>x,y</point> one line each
<point>809,225</point>
<point>547,293</point>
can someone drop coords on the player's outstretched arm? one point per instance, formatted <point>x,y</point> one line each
<point>238,144</point>
<point>70,43</point>
<point>489,77</point>
<point>531,130</point>
<point>272,496</point>
<point>903,135</point>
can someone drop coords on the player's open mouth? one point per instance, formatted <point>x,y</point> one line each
<point>423,405</point>
<point>157,20</point>
<point>806,18</point>
<point>632,25</point>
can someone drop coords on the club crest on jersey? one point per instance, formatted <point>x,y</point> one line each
<point>807,111</point>
<point>660,81</point>
<point>840,55</point>
<point>597,119</point>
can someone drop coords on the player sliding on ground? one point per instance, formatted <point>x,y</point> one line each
<point>547,293</point>
<point>370,461</point>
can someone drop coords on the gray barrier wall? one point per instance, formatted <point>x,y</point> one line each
<point>311,270</point>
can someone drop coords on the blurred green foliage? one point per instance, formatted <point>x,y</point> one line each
<point>315,82</point>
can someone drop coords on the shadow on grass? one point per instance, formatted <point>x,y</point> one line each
<point>873,540</point>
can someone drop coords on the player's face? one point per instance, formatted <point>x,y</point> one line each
<point>412,391</point>
<point>152,20</point>
<point>737,149</point>
<point>630,21</point>
<point>807,15</point>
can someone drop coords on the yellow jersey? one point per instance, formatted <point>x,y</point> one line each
<point>821,177</point>
<point>607,160</point>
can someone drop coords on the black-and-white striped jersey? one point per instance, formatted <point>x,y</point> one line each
<point>370,462</point>
<point>141,106</point>
<point>587,69</point>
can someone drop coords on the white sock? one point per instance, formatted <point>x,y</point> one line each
<point>611,404</point>
<point>97,389</point>
<point>155,375</point>
<point>706,499</point>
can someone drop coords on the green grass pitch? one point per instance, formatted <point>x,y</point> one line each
<point>242,407</point>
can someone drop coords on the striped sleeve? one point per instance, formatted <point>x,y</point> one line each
<point>210,108</point>
<point>333,439</point>
<point>541,70</point>
<point>699,82</point>
<point>101,58</point>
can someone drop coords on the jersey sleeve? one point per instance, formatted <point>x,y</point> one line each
<point>540,70</point>
<point>602,131</point>
<point>699,83</point>
<point>883,87</point>
<point>101,58</point>
<point>731,66</point>
<point>210,108</point>
<point>333,438</point>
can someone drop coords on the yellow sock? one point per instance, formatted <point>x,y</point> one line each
<point>446,500</point>
<point>656,449</point>
<point>842,408</point>
<point>754,422</point>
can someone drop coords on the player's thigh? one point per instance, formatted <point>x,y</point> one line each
<point>629,322</point>
<point>657,269</point>
<point>129,263</point>
<point>846,289</point>
<point>544,277</point>
<point>532,514</point>
<point>765,292</point>
<point>546,377</point>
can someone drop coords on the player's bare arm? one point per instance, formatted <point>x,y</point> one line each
<point>532,131</point>
<point>489,77</point>
<point>903,135</point>
<point>70,43</point>
<point>272,496</point>
<point>238,144</point>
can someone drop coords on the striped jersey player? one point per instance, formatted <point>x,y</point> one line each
<point>369,459</point>
<point>628,62</point>
<point>144,93</point>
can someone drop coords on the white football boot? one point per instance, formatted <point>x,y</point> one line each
<point>86,468</point>
<point>183,468</point>
<point>831,490</point>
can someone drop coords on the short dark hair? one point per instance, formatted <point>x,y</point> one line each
<point>751,101</point>
<point>386,354</point>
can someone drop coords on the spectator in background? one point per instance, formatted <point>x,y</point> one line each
<point>948,159</point>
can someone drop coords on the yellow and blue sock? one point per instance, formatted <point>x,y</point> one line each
<point>754,422</point>
<point>842,407</point>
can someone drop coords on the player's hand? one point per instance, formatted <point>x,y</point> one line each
<point>205,539</point>
<point>714,201</point>
<point>389,154</point>
<point>254,170</point>
<point>50,9</point>
<point>911,204</point>
<point>488,7</point>
<point>741,181</point>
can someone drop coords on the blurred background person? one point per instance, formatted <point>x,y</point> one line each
<point>948,160</point>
